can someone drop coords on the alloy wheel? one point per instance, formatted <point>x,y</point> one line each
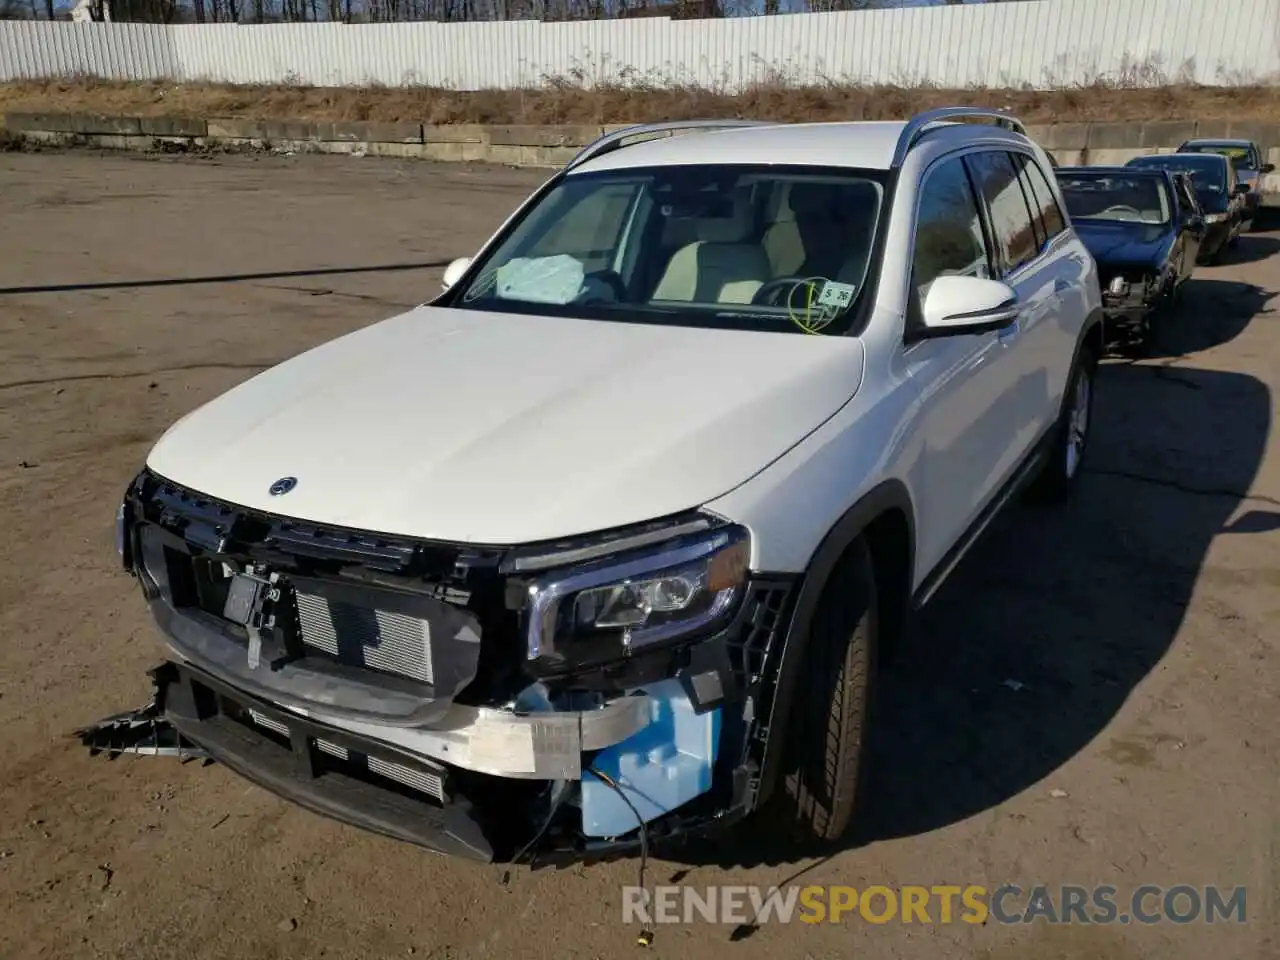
<point>1078,421</point>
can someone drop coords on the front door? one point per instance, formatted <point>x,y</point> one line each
<point>1189,235</point>
<point>962,428</point>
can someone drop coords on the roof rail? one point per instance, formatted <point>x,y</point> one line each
<point>612,141</point>
<point>919,125</point>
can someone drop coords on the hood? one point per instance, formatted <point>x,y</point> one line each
<point>497,428</point>
<point>1112,243</point>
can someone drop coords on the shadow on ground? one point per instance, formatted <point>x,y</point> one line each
<point>1031,648</point>
<point>223,278</point>
<point>1252,247</point>
<point>1212,312</point>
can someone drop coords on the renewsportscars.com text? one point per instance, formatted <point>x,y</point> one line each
<point>937,904</point>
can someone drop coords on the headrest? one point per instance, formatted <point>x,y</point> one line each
<point>734,226</point>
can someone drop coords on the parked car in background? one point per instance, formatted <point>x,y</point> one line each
<point>1248,159</point>
<point>725,409</point>
<point>1218,191</point>
<point>1143,228</point>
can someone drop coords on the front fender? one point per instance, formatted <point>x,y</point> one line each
<point>889,495</point>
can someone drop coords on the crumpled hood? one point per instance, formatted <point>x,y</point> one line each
<point>1124,243</point>
<point>500,428</point>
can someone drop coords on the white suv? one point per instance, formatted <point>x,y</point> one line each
<point>603,544</point>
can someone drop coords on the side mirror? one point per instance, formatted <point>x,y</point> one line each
<point>1267,168</point>
<point>1241,189</point>
<point>955,306</point>
<point>454,271</point>
<point>1195,223</point>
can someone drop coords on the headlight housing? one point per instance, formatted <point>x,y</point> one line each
<point>611,607</point>
<point>1215,217</point>
<point>124,533</point>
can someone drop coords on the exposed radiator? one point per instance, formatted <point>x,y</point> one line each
<point>363,637</point>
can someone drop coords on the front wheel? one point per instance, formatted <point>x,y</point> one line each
<point>814,804</point>
<point>1070,437</point>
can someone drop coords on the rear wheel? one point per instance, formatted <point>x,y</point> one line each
<point>815,802</point>
<point>1070,437</point>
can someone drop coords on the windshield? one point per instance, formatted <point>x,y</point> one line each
<point>772,248</point>
<point>1134,199</point>
<point>1208,173</point>
<point>1240,155</point>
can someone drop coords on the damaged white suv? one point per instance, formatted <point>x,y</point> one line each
<point>603,544</point>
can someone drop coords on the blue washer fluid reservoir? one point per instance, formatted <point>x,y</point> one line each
<point>666,764</point>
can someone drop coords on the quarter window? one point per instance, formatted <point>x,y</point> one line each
<point>1040,196</point>
<point>1010,218</point>
<point>949,238</point>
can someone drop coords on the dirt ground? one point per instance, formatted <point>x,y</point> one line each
<point>565,100</point>
<point>1092,698</point>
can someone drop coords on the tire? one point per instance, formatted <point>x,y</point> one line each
<point>1061,472</point>
<point>814,803</point>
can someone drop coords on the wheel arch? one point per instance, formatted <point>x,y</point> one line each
<point>1092,335</point>
<point>885,517</point>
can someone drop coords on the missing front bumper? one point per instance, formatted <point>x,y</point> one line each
<point>472,816</point>
<point>287,757</point>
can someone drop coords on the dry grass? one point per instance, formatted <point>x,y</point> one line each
<point>567,101</point>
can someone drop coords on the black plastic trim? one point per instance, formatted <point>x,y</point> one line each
<point>291,773</point>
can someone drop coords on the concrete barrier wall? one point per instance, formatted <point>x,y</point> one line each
<point>551,146</point>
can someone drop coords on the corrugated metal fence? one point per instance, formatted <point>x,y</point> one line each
<point>1041,43</point>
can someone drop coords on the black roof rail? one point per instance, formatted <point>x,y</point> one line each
<point>612,141</point>
<point>920,124</point>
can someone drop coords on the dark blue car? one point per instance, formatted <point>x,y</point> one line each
<point>1219,192</point>
<point>1144,228</point>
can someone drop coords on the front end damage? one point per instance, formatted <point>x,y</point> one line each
<point>572,699</point>
<point>1130,293</point>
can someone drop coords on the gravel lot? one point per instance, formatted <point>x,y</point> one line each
<point>1138,743</point>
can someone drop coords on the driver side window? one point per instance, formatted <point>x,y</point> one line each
<point>949,238</point>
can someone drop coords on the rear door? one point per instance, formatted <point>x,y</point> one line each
<point>1062,260</point>
<point>1037,348</point>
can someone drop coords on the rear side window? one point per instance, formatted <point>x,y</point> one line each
<point>1009,216</point>
<point>949,238</point>
<point>1040,196</point>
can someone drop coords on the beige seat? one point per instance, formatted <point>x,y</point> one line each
<point>721,266</point>
<point>822,230</point>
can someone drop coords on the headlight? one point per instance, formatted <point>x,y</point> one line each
<point>1118,286</point>
<point>608,608</point>
<point>1215,217</point>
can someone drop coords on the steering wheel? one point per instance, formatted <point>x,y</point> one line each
<point>770,295</point>
<point>609,278</point>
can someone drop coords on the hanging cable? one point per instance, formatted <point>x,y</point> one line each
<point>646,936</point>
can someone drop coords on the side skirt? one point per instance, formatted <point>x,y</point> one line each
<point>1023,476</point>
